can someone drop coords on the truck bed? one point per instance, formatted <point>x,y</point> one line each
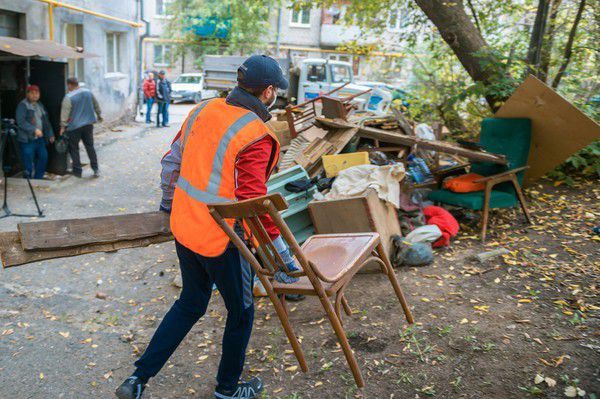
<point>220,71</point>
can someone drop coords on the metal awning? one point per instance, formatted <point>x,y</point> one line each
<point>41,48</point>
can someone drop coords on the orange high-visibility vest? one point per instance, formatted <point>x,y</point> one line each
<point>211,139</point>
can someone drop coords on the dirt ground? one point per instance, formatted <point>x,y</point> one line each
<point>72,328</point>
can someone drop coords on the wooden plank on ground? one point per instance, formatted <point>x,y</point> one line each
<point>12,253</point>
<point>70,233</point>
<point>403,139</point>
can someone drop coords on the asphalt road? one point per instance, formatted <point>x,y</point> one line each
<point>57,339</point>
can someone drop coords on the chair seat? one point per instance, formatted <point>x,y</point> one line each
<point>474,200</point>
<point>336,256</point>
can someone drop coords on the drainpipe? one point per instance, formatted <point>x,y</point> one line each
<point>278,36</point>
<point>141,52</point>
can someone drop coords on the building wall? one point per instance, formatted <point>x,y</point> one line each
<point>174,65</point>
<point>116,91</point>
<point>291,35</point>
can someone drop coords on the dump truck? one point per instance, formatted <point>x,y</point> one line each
<point>308,78</point>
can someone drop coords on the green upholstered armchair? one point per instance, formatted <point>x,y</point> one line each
<point>510,137</point>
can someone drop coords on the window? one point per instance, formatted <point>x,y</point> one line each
<point>340,74</point>
<point>193,79</point>
<point>340,57</point>
<point>9,23</point>
<point>397,18</point>
<point>162,8</point>
<point>300,17</point>
<point>74,38</point>
<point>162,54</point>
<point>113,52</point>
<point>316,73</point>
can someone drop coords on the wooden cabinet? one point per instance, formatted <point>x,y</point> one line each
<point>366,213</point>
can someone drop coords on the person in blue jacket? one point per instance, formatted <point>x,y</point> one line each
<point>34,133</point>
<point>163,99</point>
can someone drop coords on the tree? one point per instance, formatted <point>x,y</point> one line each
<point>469,34</point>
<point>467,43</point>
<point>569,47</point>
<point>220,26</point>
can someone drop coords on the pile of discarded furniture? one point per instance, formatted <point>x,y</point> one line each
<point>377,190</point>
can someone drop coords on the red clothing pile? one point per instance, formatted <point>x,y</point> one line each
<point>444,220</point>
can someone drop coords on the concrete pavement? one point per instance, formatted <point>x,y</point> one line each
<point>57,338</point>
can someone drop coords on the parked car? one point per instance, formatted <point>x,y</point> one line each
<point>188,87</point>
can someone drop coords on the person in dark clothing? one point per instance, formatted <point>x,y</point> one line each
<point>244,113</point>
<point>163,99</point>
<point>35,131</point>
<point>79,111</point>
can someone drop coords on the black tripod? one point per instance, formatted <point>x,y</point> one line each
<point>8,134</point>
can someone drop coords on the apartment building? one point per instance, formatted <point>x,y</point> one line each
<point>111,74</point>
<point>298,33</point>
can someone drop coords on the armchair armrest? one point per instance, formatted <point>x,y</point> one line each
<point>447,171</point>
<point>500,177</point>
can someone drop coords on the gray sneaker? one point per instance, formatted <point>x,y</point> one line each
<point>245,390</point>
<point>131,388</point>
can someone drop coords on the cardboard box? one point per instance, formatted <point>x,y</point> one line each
<point>334,164</point>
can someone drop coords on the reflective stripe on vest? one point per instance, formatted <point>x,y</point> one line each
<point>214,181</point>
<point>211,194</point>
<point>197,194</point>
<point>191,121</point>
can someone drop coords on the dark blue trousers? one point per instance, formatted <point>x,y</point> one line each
<point>163,110</point>
<point>149,104</point>
<point>233,277</point>
<point>35,157</point>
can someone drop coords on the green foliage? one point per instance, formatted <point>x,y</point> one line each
<point>585,162</point>
<point>246,23</point>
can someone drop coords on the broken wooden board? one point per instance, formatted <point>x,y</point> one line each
<point>559,129</point>
<point>311,155</point>
<point>69,233</point>
<point>403,139</point>
<point>13,254</point>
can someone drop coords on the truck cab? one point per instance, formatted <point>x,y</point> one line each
<point>318,76</point>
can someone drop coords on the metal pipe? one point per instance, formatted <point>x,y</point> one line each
<point>278,37</point>
<point>54,3</point>
<point>51,21</point>
<point>142,52</point>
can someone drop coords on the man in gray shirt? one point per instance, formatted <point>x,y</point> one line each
<point>79,111</point>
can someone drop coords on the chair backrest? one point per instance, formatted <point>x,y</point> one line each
<point>508,136</point>
<point>249,213</point>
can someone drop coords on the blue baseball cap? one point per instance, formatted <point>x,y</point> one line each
<point>261,71</point>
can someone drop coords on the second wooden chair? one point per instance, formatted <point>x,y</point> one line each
<point>328,263</point>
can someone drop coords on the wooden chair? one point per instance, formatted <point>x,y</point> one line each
<point>300,117</point>
<point>328,262</point>
<point>510,137</point>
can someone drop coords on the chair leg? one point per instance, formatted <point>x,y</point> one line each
<point>284,304</point>
<point>521,198</point>
<point>343,340</point>
<point>285,322</point>
<point>338,306</point>
<point>392,277</point>
<point>347,308</point>
<point>486,212</point>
